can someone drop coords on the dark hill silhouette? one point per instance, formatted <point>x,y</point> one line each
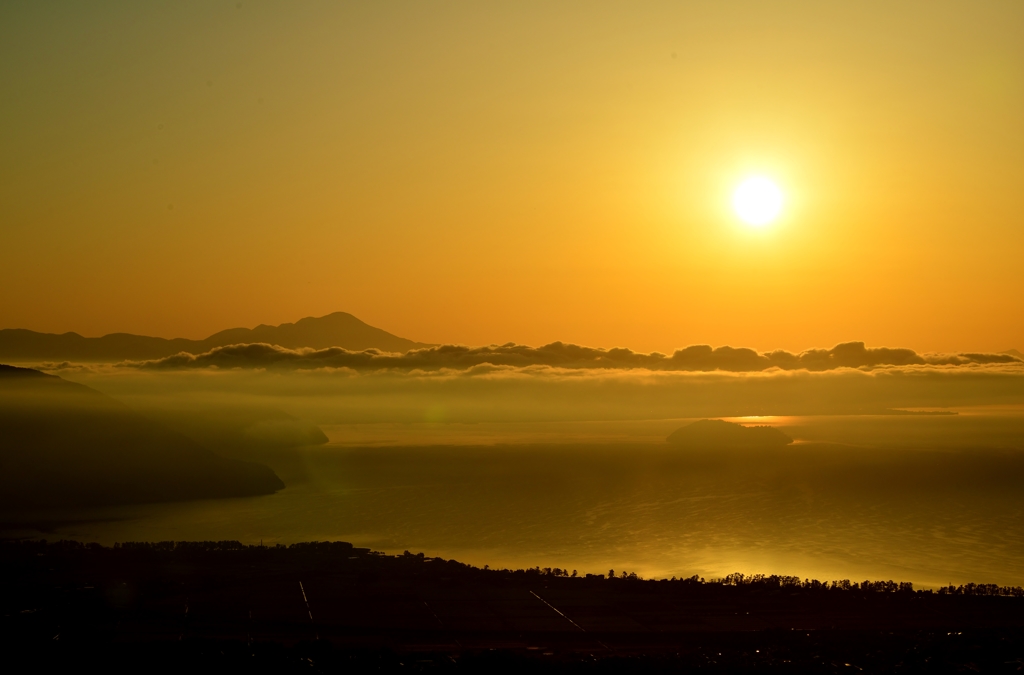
<point>64,444</point>
<point>339,329</point>
<point>722,434</point>
<point>174,607</point>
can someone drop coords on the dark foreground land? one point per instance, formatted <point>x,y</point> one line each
<point>329,607</point>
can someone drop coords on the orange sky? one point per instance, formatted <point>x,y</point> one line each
<point>527,171</point>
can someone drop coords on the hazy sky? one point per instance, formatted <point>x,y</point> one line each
<point>518,171</point>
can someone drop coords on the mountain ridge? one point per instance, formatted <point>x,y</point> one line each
<point>338,329</point>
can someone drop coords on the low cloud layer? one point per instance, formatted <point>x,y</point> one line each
<point>700,358</point>
<point>335,387</point>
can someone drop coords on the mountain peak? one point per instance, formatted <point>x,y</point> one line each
<point>338,329</point>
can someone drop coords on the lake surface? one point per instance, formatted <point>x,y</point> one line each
<point>928,506</point>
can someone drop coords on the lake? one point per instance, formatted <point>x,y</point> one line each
<point>928,504</point>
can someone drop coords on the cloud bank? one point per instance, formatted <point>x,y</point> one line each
<point>699,358</point>
<point>337,387</point>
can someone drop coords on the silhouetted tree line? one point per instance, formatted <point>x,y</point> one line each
<point>781,581</point>
<point>327,551</point>
<point>982,589</point>
<point>326,547</point>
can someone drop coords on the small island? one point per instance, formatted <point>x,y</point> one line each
<point>712,434</point>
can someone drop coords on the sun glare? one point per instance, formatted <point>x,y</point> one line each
<point>757,201</point>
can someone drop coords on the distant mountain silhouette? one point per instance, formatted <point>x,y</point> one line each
<point>1015,353</point>
<point>64,444</point>
<point>334,330</point>
<point>722,434</point>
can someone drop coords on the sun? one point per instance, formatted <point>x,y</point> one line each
<point>757,201</point>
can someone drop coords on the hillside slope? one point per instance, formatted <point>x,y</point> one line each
<point>64,444</point>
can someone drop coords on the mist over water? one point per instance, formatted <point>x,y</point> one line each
<point>929,499</point>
